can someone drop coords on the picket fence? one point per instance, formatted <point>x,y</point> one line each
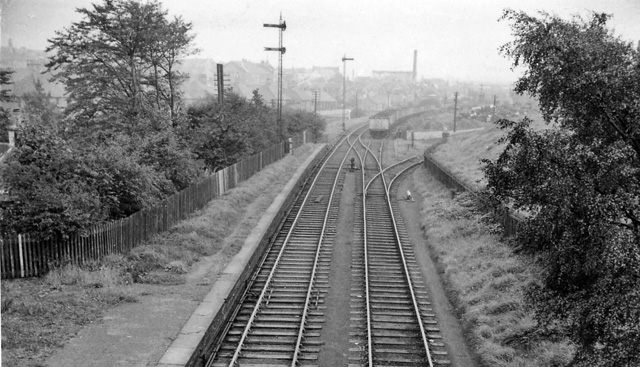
<point>29,255</point>
<point>508,219</point>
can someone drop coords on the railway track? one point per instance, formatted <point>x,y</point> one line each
<point>280,319</point>
<point>392,318</point>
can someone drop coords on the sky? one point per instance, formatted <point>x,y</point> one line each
<point>455,39</point>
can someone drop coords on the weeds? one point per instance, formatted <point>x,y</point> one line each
<point>487,280</point>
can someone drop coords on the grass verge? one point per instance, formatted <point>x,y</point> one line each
<point>39,315</point>
<point>485,280</point>
<point>462,152</point>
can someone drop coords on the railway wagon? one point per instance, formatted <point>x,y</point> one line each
<point>382,122</point>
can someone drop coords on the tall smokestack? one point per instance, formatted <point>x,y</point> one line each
<point>415,65</point>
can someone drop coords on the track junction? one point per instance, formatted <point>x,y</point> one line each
<point>282,315</point>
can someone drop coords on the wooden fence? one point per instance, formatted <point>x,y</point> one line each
<point>27,255</point>
<point>509,220</point>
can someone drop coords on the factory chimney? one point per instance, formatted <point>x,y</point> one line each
<point>415,65</point>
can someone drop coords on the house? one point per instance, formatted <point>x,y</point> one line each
<point>29,71</point>
<point>202,79</point>
<point>399,76</point>
<point>249,73</point>
<point>373,102</point>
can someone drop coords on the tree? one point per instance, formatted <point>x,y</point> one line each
<point>38,110</point>
<point>120,61</point>
<point>166,155</point>
<point>578,181</point>
<point>63,187</point>
<point>298,121</point>
<point>5,96</point>
<point>50,185</point>
<point>220,133</point>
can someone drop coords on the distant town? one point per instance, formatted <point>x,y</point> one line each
<point>318,88</point>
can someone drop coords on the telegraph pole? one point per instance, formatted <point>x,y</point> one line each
<point>282,26</point>
<point>493,114</point>
<point>344,87</point>
<point>455,111</point>
<point>220,83</point>
<point>315,103</point>
<point>356,110</point>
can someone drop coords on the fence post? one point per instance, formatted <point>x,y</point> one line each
<point>21,256</point>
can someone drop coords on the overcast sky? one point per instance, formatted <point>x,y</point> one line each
<point>455,39</point>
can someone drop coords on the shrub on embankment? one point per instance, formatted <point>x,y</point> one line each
<point>486,281</point>
<point>40,314</point>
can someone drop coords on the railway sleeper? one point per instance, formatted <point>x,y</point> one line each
<point>286,281</point>
<point>381,264</point>
<point>391,297</point>
<point>405,349</point>
<point>273,340</point>
<point>271,348</point>
<point>399,360</point>
<point>397,311</point>
<point>397,277</point>
<point>384,289</point>
<point>404,328</point>
<point>381,267</point>
<point>394,286</point>
<point>274,333</point>
<point>261,324</point>
<point>389,300</point>
<point>404,318</point>
<point>281,318</point>
<point>386,253</point>
<point>298,299</point>
<point>292,272</point>
<point>284,356</point>
<point>268,311</point>
<point>388,309</point>
<point>408,335</point>
<point>291,291</point>
<point>295,274</point>
<point>271,364</point>
<point>380,242</point>
<point>282,306</point>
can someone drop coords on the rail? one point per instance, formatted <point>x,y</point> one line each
<point>416,307</point>
<point>376,319</point>
<point>265,288</point>
<point>303,319</point>
<point>366,257</point>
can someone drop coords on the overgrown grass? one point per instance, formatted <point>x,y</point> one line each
<point>462,152</point>
<point>39,315</point>
<point>486,281</point>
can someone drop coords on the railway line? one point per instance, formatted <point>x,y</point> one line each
<point>391,307</point>
<point>280,320</point>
